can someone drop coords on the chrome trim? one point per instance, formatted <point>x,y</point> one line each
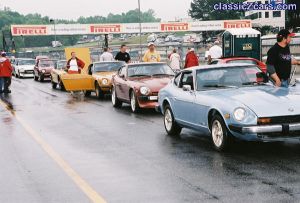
<point>265,128</point>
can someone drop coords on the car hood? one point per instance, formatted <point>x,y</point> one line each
<point>265,101</point>
<point>101,75</point>
<point>26,67</point>
<point>154,83</point>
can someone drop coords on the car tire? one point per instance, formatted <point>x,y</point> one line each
<point>170,124</point>
<point>114,99</point>
<point>36,78</point>
<point>19,75</point>
<point>134,103</point>
<point>54,85</point>
<point>98,91</point>
<point>219,133</point>
<point>41,78</point>
<point>61,85</point>
<point>87,93</point>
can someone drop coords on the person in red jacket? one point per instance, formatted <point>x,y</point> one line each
<point>74,64</point>
<point>191,59</point>
<point>5,73</point>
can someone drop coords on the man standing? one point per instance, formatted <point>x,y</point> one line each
<point>175,60</point>
<point>74,64</point>
<point>191,59</point>
<point>106,56</point>
<point>215,52</point>
<point>5,74</point>
<point>151,54</point>
<point>123,55</point>
<point>279,61</point>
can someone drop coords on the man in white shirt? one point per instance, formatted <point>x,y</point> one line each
<point>106,56</point>
<point>215,52</point>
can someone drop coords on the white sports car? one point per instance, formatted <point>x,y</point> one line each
<point>23,67</point>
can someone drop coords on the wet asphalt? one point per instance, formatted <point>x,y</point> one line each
<point>128,157</point>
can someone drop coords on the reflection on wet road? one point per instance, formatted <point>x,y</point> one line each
<point>127,157</point>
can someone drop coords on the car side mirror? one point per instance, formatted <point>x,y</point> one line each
<point>187,88</point>
<point>262,77</point>
<point>122,76</point>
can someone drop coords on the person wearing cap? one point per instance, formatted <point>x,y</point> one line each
<point>214,52</point>
<point>279,61</point>
<point>5,73</point>
<point>151,54</point>
<point>191,59</point>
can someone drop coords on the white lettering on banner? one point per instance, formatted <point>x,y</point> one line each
<point>237,24</point>
<point>174,27</point>
<point>85,29</point>
<point>29,30</point>
<point>105,29</point>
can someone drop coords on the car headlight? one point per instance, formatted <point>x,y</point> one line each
<point>239,114</point>
<point>43,71</point>
<point>145,90</point>
<point>104,82</point>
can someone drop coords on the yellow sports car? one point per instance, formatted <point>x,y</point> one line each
<point>59,69</point>
<point>96,79</point>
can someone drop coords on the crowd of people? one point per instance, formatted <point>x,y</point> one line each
<point>279,60</point>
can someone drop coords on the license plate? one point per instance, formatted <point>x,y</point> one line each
<point>152,98</point>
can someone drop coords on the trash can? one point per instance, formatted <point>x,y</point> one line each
<point>242,42</point>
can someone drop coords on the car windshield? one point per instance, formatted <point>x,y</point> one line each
<point>26,62</point>
<point>149,70</point>
<point>46,63</point>
<point>247,61</point>
<point>107,67</point>
<point>227,77</point>
<point>61,64</point>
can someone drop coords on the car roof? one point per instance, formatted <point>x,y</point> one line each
<point>219,66</point>
<point>24,59</point>
<point>146,63</point>
<point>109,62</point>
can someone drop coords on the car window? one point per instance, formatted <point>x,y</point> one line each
<point>225,77</point>
<point>149,70</point>
<point>187,79</point>
<point>107,67</point>
<point>247,61</point>
<point>26,62</point>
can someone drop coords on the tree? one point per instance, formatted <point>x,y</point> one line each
<point>204,10</point>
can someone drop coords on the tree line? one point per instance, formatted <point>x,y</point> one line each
<point>9,17</point>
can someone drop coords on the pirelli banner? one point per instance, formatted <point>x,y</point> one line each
<point>86,29</point>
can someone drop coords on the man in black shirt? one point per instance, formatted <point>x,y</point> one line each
<point>123,55</point>
<point>279,61</point>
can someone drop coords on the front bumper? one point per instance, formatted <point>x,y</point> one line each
<point>262,129</point>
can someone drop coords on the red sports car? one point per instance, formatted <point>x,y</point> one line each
<point>247,60</point>
<point>139,84</point>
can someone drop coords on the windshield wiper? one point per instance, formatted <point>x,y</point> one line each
<point>140,75</point>
<point>219,86</point>
<point>162,74</point>
<point>253,83</point>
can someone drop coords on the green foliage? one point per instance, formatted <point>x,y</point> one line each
<point>204,10</point>
<point>9,17</point>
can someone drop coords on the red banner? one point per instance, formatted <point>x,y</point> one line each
<point>29,30</point>
<point>105,28</point>
<point>237,24</point>
<point>174,27</point>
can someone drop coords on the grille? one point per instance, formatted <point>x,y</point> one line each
<point>283,120</point>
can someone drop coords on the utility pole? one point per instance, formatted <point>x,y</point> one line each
<point>140,23</point>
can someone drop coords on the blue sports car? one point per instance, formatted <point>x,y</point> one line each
<point>231,100</point>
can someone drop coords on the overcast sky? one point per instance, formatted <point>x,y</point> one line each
<point>72,9</point>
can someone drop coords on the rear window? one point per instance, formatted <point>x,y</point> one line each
<point>246,61</point>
